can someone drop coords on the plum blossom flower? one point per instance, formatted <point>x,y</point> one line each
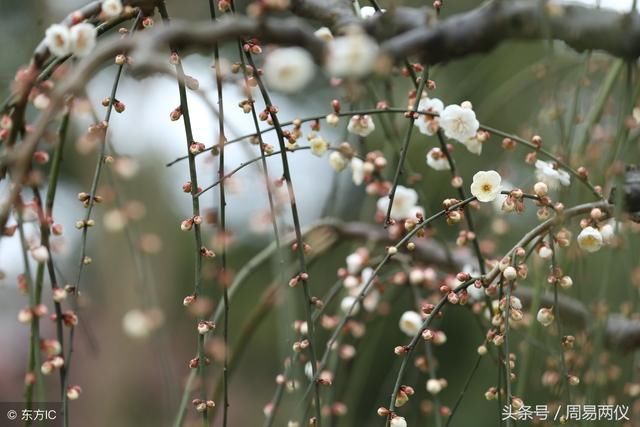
<point>346,304</point>
<point>608,233</point>
<point>552,176</point>
<point>459,122</point>
<point>352,55</point>
<point>437,160</point>
<point>318,145</point>
<point>361,125</point>
<point>398,422</point>
<point>474,145</point>
<point>590,239</point>
<point>58,40</point>
<point>337,161</point>
<point>545,316</point>
<point>136,324</point>
<point>357,169</point>
<point>410,323</point>
<point>288,69</point>
<point>83,39</point>
<point>404,202</point>
<point>427,124</point>
<point>112,8</point>
<point>486,185</point>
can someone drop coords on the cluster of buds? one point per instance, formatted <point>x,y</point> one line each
<point>73,392</point>
<point>464,237</point>
<point>293,282</point>
<point>51,347</point>
<point>69,318</point>
<point>117,104</point>
<point>203,405</point>
<point>26,315</point>
<point>514,201</point>
<point>188,223</point>
<point>246,105</point>
<point>404,392</point>
<point>205,326</point>
<point>252,46</point>
<point>196,147</point>
<point>122,59</point>
<point>299,346</point>
<point>207,253</point>
<point>265,115</point>
<point>87,200</point>
<point>51,364</point>
<point>187,187</point>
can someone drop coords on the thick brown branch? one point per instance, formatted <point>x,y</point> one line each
<point>482,29</point>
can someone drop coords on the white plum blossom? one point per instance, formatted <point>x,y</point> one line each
<point>361,125</point>
<point>318,145</point>
<point>486,185</point>
<point>337,161</point>
<point>324,34</point>
<point>427,124</point>
<point>590,239</point>
<point>370,302</point>
<point>40,253</point>
<point>288,69</point>
<point>136,324</point>
<point>607,231</point>
<point>355,262</point>
<point>459,122</point>
<point>552,176</point>
<point>112,8</point>
<point>398,422</point>
<point>346,304</point>
<point>474,145</point>
<point>83,39</point>
<point>437,160</point>
<point>352,55</point>
<point>545,316</point>
<point>357,169</point>
<point>434,386</point>
<point>410,323</point>
<point>58,40</point>
<point>404,201</point>
<point>367,12</point>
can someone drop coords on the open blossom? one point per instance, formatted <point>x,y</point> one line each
<point>410,323</point>
<point>337,161</point>
<point>608,232</point>
<point>346,304</point>
<point>112,8</point>
<point>361,125</point>
<point>58,40</point>
<point>136,324</point>
<point>486,185</point>
<point>427,124</point>
<point>552,176</point>
<point>404,202</point>
<point>288,69</point>
<point>437,160</point>
<point>474,145</point>
<point>545,316</point>
<point>83,39</point>
<point>459,122</point>
<point>352,55</point>
<point>398,422</point>
<point>318,145</point>
<point>590,239</point>
<point>357,169</point>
